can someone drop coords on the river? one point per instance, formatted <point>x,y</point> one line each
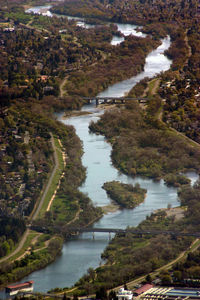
<point>125,29</point>
<point>83,251</point>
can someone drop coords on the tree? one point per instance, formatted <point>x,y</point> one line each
<point>112,295</point>
<point>148,278</point>
<point>91,273</point>
<point>64,297</point>
<point>101,294</point>
<point>166,279</point>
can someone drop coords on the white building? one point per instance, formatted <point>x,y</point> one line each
<point>123,294</point>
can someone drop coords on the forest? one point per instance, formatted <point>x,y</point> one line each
<point>38,54</point>
<point>141,145</point>
<point>129,256</point>
<point>137,12</point>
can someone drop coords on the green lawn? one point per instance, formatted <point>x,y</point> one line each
<point>56,177</point>
<point>27,244</point>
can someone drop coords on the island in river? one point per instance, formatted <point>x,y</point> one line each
<point>82,54</point>
<point>126,195</point>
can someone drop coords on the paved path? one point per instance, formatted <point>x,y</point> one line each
<point>56,166</point>
<point>19,247</point>
<point>62,85</point>
<point>35,214</point>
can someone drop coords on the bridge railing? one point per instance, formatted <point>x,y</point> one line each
<point>113,100</point>
<point>137,232</point>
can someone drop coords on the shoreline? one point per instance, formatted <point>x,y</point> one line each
<point>110,208</point>
<point>74,113</point>
<point>176,212</point>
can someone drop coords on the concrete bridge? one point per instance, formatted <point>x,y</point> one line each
<point>113,100</point>
<point>76,230</point>
<point>135,232</point>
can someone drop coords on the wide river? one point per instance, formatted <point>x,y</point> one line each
<point>83,251</point>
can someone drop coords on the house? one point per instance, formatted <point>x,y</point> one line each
<point>21,287</point>
<point>48,89</point>
<point>9,29</point>
<point>142,289</point>
<point>123,294</point>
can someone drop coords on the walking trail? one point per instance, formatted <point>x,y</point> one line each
<point>36,212</point>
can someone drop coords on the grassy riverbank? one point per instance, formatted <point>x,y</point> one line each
<point>74,207</point>
<point>142,145</point>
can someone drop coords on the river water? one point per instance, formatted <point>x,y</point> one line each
<point>83,251</point>
<point>125,29</point>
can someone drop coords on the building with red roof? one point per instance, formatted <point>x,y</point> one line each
<point>20,287</point>
<point>143,289</point>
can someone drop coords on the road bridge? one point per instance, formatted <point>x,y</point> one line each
<point>77,230</point>
<point>113,100</point>
<point>136,232</point>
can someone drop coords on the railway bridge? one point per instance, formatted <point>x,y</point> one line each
<point>138,233</point>
<point>113,100</point>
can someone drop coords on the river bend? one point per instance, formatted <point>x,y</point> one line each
<point>83,252</point>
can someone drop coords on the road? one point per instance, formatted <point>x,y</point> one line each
<point>36,212</point>
<point>132,283</point>
<point>56,166</point>
<point>62,85</point>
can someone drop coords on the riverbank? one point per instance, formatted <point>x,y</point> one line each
<point>111,208</point>
<point>176,212</point>
<point>74,113</point>
<point>99,170</point>
<point>101,159</point>
<point>15,267</point>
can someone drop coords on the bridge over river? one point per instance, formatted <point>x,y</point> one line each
<point>138,233</point>
<point>113,100</point>
<point>77,230</point>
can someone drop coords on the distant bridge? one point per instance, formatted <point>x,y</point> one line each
<point>113,100</point>
<point>136,232</point>
<point>76,230</point>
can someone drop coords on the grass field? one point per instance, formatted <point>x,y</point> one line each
<point>56,177</point>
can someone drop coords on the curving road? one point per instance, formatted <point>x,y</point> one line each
<point>36,212</point>
<point>56,166</point>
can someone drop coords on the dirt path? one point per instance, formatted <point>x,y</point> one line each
<point>19,247</point>
<point>56,166</point>
<point>132,283</point>
<point>188,46</point>
<point>155,87</point>
<point>62,85</point>
<point>62,175</point>
<point>28,250</point>
<point>35,214</point>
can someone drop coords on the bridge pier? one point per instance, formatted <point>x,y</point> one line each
<point>93,236</point>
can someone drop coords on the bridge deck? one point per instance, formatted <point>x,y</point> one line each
<point>137,232</point>
<point>112,98</point>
